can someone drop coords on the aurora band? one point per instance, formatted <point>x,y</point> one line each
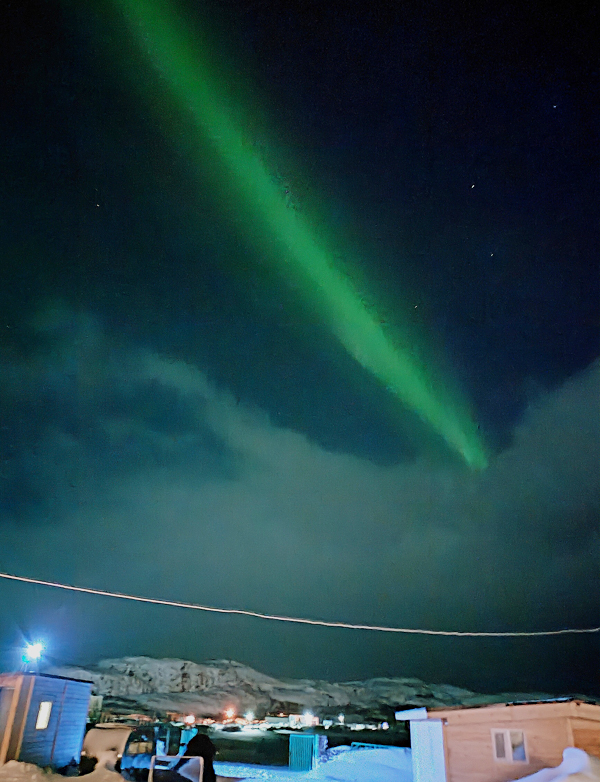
<point>171,49</point>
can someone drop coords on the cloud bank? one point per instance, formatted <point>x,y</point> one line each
<point>158,483</point>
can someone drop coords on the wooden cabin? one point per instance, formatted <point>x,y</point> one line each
<point>501,741</point>
<point>42,718</point>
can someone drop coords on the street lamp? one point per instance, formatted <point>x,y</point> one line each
<point>32,654</point>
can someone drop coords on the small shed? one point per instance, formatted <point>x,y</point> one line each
<point>500,741</point>
<point>42,718</point>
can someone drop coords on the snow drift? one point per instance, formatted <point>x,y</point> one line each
<point>576,766</point>
<point>13,771</point>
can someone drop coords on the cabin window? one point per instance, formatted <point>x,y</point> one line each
<point>509,746</point>
<point>43,716</point>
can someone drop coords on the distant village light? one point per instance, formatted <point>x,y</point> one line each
<point>249,716</point>
<point>309,719</point>
<point>230,713</point>
<point>190,719</point>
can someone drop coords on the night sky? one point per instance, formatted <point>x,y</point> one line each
<point>179,418</point>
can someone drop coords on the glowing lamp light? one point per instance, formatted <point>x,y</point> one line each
<point>190,719</point>
<point>229,713</point>
<point>32,652</point>
<point>249,716</point>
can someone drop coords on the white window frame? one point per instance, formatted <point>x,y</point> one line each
<point>508,748</point>
<point>43,715</point>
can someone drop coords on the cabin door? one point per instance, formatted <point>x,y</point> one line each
<point>427,749</point>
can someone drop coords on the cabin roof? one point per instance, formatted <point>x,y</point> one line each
<point>552,708</point>
<point>5,677</point>
<point>533,702</point>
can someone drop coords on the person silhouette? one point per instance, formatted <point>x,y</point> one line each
<point>199,746</point>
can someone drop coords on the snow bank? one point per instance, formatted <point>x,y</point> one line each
<point>577,766</point>
<point>13,771</point>
<point>99,741</point>
<point>385,764</point>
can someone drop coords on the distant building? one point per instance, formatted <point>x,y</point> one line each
<point>278,721</point>
<point>95,708</point>
<point>498,742</point>
<point>42,718</point>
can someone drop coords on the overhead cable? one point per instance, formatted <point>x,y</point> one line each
<point>296,620</point>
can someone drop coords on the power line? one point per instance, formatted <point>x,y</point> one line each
<point>294,620</point>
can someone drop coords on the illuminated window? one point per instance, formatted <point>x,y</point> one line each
<point>509,746</point>
<point>43,717</point>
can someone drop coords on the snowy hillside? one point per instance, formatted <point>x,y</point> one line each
<point>208,688</point>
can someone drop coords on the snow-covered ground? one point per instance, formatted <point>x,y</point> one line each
<point>13,771</point>
<point>385,764</point>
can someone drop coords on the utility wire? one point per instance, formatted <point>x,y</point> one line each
<point>294,620</point>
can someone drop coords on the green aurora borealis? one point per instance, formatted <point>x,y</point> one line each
<point>172,50</point>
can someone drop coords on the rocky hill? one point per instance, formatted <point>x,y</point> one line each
<point>148,685</point>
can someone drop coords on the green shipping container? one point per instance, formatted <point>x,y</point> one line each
<point>304,751</point>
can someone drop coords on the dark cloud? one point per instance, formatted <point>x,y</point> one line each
<point>177,490</point>
<point>78,414</point>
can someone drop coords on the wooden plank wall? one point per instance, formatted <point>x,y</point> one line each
<point>10,691</point>
<point>22,704</point>
<point>61,741</point>
<point>36,745</point>
<point>471,757</point>
<point>71,727</point>
<point>586,736</point>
